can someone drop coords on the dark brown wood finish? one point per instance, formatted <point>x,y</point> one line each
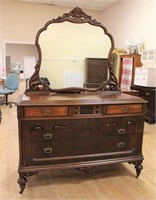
<point>149,94</point>
<point>53,130</point>
<point>59,129</point>
<point>96,72</point>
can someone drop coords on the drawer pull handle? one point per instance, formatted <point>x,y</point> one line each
<point>47,112</point>
<point>114,124</point>
<point>57,127</point>
<point>48,150</point>
<point>121,144</point>
<point>147,93</point>
<point>47,136</point>
<point>121,130</point>
<point>97,109</point>
<point>37,128</point>
<point>129,123</point>
<point>124,109</point>
<point>75,110</point>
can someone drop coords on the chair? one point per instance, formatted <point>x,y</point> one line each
<point>10,86</point>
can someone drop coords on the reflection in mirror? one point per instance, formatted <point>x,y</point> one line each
<point>65,47</point>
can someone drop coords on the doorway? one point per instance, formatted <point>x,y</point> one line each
<point>16,55</point>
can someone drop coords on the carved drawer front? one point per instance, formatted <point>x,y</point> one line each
<point>46,111</point>
<point>124,109</point>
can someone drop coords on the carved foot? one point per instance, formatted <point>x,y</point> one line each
<point>22,180</point>
<point>138,167</point>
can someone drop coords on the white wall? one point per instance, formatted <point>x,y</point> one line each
<point>1,55</point>
<point>130,19</point>
<point>20,21</point>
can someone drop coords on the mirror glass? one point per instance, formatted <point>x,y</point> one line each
<point>65,47</point>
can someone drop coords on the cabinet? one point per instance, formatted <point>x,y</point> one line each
<point>149,94</point>
<point>96,72</point>
<point>78,131</point>
<point>127,70</point>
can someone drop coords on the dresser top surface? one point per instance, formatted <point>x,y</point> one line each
<point>110,97</point>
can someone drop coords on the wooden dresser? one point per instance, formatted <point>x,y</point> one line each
<point>74,127</point>
<point>149,94</point>
<point>78,131</point>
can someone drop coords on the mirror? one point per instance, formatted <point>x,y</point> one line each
<point>64,44</point>
<point>65,47</point>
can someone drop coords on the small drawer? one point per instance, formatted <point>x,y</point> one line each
<point>124,109</point>
<point>45,111</point>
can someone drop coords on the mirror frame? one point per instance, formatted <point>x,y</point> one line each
<point>74,16</point>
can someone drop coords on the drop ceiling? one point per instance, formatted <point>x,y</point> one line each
<point>84,4</point>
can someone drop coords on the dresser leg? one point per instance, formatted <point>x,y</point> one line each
<point>138,167</point>
<point>22,180</point>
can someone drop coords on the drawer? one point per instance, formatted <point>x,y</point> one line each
<point>124,109</point>
<point>146,94</point>
<point>82,146</point>
<point>52,130</point>
<point>46,111</point>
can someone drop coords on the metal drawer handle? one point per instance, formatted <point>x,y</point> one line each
<point>121,130</point>
<point>37,128</point>
<point>114,124</point>
<point>47,112</point>
<point>124,109</point>
<point>48,150</point>
<point>56,127</point>
<point>121,144</point>
<point>129,123</point>
<point>47,136</point>
<point>97,109</point>
<point>147,93</point>
<point>76,110</point>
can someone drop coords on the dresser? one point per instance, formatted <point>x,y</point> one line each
<point>78,131</point>
<point>96,72</point>
<point>77,128</point>
<point>149,94</point>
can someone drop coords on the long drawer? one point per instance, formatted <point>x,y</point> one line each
<point>47,130</point>
<point>72,151</point>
